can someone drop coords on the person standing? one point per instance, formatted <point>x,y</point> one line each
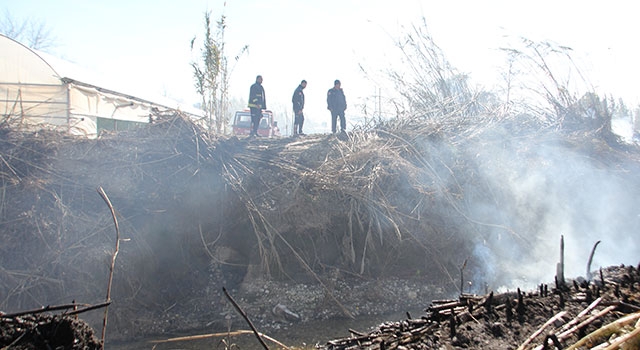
<point>337,104</point>
<point>298,107</point>
<point>257,103</point>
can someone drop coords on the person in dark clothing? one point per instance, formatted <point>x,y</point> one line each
<point>337,104</point>
<point>298,107</point>
<point>257,102</point>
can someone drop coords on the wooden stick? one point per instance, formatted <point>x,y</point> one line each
<point>216,335</point>
<point>623,339</point>
<point>576,319</point>
<point>560,266</point>
<point>244,315</point>
<point>541,329</point>
<point>606,330</point>
<point>593,251</point>
<point>446,306</point>
<point>113,263</point>
<point>444,301</point>
<point>586,322</point>
<point>462,276</point>
<point>449,311</point>
<point>88,308</point>
<point>359,334</point>
<point>41,310</point>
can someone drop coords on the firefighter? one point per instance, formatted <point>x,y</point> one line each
<point>257,103</point>
<point>298,107</point>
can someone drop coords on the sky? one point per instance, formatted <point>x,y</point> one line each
<point>145,45</point>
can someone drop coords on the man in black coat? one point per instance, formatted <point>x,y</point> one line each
<point>257,102</point>
<point>337,104</point>
<point>298,106</point>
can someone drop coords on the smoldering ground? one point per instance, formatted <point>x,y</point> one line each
<point>543,189</point>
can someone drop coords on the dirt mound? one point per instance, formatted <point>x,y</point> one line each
<point>43,331</point>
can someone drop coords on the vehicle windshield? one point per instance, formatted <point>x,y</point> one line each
<point>243,120</point>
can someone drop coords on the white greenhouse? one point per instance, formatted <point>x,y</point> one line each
<point>39,91</point>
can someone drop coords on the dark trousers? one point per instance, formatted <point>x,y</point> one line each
<point>334,120</point>
<point>256,115</point>
<point>298,121</point>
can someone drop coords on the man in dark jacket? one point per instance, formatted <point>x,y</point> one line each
<point>298,106</point>
<point>337,104</point>
<point>257,102</point>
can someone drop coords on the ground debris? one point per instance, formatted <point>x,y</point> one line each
<point>610,316</point>
<point>46,331</point>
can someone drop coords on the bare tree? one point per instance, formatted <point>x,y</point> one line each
<point>32,33</point>
<point>212,74</point>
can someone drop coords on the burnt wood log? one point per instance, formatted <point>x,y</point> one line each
<point>453,311</point>
<point>509,310</point>
<point>520,308</point>
<point>446,306</point>
<point>452,324</point>
<point>488,304</point>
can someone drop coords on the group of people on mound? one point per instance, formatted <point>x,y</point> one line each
<point>336,104</point>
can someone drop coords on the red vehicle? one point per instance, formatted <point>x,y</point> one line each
<point>267,128</point>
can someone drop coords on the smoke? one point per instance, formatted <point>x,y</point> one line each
<point>544,190</point>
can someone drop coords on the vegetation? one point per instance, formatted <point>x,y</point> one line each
<point>212,74</point>
<point>35,34</point>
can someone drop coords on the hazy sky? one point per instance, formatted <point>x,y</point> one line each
<point>144,45</point>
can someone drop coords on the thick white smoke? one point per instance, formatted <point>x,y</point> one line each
<point>548,190</point>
